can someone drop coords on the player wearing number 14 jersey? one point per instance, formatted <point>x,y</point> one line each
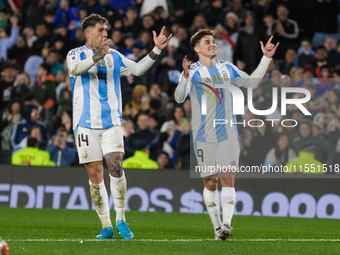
<point>95,71</point>
<point>209,82</point>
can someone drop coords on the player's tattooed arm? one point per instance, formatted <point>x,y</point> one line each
<point>102,51</point>
<point>114,163</point>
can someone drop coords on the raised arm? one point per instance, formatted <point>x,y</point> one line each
<point>143,65</point>
<point>255,78</point>
<point>183,86</point>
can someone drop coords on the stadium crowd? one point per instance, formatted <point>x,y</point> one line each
<point>36,95</point>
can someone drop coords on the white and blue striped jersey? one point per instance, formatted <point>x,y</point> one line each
<point>97,101</point>
<point>206,84</point>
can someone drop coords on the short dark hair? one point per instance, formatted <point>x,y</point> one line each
<point>196,38</point>
<point>32,142</point>
<point>46,67</point>
<point>92,20</point>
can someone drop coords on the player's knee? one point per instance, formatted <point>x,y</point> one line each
<point>95,172</point>
<point>114,163</point>
<point>228,182</point>
<point>211,183</point>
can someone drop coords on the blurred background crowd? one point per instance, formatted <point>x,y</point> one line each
<point>36,96</point>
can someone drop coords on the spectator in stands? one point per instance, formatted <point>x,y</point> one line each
<point>155,92</point>
<point>127,45</point>
<point>134,107</point>
<point>32,64</point>
<point>333,56</point>
<point>146,38</point>
<point>247,54</point>
<point>333,97</point>
<point>169,136</point>
<point>29,35</point>
<point>231,23</point>
<point>321,56</point>
<point>32,155</point>
<point>108,11</point>
<point>198,21</point>
<point>62,153</point>
<point>285,31</point>
<point>140,159</point>
<point>13,113</point>
<point>184,44</point>
<point>143,135</point>
<point>236,7</point>
<point>156,108</point>
<point>291,60</point>
<point>138,51</point>
<point>5,41</point>
<point>214,14</point>
<point>163,160</point>
<point>6,84</point>
<point>42,34</point>
<point>19,53</point>
<point>64,96</point>
<point>296,73</point>
<point>57,69</point>
<point>332,128</point>
<point>306,53</point>
<point>130,20</point>
<point>225,45</point>
<point>65,14</point>
<point>263,136</point>
<point>21,129</point>
<point>306,163</point>
<point>281,153</point>
<point>145,104</point>
<point>160,17</point>
<point>148,23</point>
<point>154,122</point>
<point>183,146</point>
<point>128,128</point>
<point>44,89</point>
<point>170,59</point>
<point>21,86</point>
<point>324,150</point>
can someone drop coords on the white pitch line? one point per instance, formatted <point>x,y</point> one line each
<point>172,240</point>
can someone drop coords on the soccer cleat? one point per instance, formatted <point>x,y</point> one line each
<point>105,233</point>
<point>218,233</point>
<point>226,232</point>
<point>124,230</point>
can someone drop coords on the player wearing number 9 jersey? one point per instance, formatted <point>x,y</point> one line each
<point>209,82</point>
<point>95,71</point>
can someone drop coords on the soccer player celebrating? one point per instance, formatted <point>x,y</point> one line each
<point>95,71</point>
<point>216,145</point>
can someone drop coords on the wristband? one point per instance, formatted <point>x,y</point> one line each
<point>153,55</point>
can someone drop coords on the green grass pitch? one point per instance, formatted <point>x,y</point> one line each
<point>48,231</point>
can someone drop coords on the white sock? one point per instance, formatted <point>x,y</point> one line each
<point>101,202</point>
<point>211,201</point>
<point>118,190</point>
<point>228,198</point>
